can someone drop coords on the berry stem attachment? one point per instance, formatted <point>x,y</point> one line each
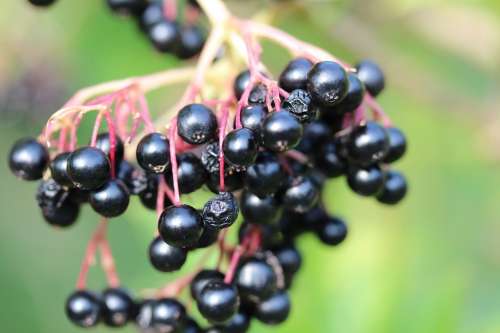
<point>173,160</point>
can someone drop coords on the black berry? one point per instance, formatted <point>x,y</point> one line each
<point>367,144</point>
<point>256,280</point>
<point>218,301</point>
<point>366,181</point>
<point>333,231</point>
<point>104,143</point>
<point>300,195</point>
<point>354,96</point>
<point>83,308</point>
<point>298,103</point>
<point>372,76</point>
<point>240,147</point>
<point>110,200</point>
<point>167,315</point>
<point>252,117</point>
<point>153,153</point>
<point>191,42</point>
<point>258,210</point>
<point>394,189</point>
<point>88,168</point>
<point>221,211</point>
<point>274,310</point>
<point>202,279</point>
<point>196,124</point>
<point>164,257</point>
<point>327,83</point>
<point>180,226</point>
<point>164,35</point>
<point>281,131</point>
<point>117,307</point>
<point>397,145</point>
<point>58,169</point>
<point>265,176</point>
<point>294,76</point>
<point>28,159</point>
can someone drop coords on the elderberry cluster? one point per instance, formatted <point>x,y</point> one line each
<point>184,40</point>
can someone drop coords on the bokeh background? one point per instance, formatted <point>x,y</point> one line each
<point>431,264</point>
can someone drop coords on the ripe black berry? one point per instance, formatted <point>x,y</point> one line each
<point>330,161</point>
<point>152,15</point>
<point>281,131</point>
<point>315,135</point>
<point>290,261</point>
<point>41,3</point>
<point>104,143</point>
<point>367,144</point>
<point>258,210</point>
<point>57,206</point>
<point>191,326</point>
<point>190,43</point>
<point>327,83</point>
<point>240,147</point>
<point>366,181</point>
<point>333,231</point>
<point>153,153</point>
<point>196,124</point>
<point>110,200</point>
<point>208,237</point>
<point>294,76</point>
<point>394,190</point>
<point>88,168</point>
<point>83,308</point>
<point>299,104</point>
<point>167,315</point>
<point>252,117</point>
<point>202,279</point>
<point>240,323</point>
<point>256,280</point>
<point>258,95</point>
<point>58,170</point>
<point>354,96</point>
<point>148,194</point>
<point>397,145</point>
<point>265,176</point>
<point>221,211</point>
<point>218,301</point>
<point>117,307</point>
<point>240,83</point>
<point>300,195</point>
<point>165,35</point>
<point>191,174</point>
<point>28,159</point>
<point>180,226</point>
<point>372,76</point>
<point>164,257</point>
<point>274,310</point>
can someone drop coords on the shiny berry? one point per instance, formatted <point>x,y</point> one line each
<point>58,170</point>
<point>191,42</point>
<point>354,96</point>
<point>233,181</point>
<point>274,310</point>
<point>315,135</point>
<point>330,161</point>
<point>134,179</point>
<point>367,144</point>
<point>333,231</point>
<point>191,174</point>
<point>397,145</point>
<point>394,190</point>
<point>117,307</point>
<point>83,308</point>
<point>153,153</point>
<point>167,315</point>
<point>258,95</point>
<point>180,226</point>
<point>327,83</point>
<point>201,279</point>
<point>294,76</point>
<point>28,159</point>
<point>372,76</point>
<point>208,237</point>
<point>240,323</point>
<point>104,143</point>
<point>299,104</point>
<point>240,83</point>
<point>57,206</point>
<point>300,195</point>
<point>88,168</point>
<point>148,195</point>
<point>252,117</point>
<point>191,326</point>
<point>281,131</point>
<point>265,176</point>
<point>265,210</point>
<point>144,315</point>
<point>221,211</point>
<point>164,257</point>
<point>110,200</point>
<point>218,301</point>
<point>152,15</point>
<point>196,124</point>
<point>164,35</point>
<point>256,280</point>
<point>41,3</point>
<point>366,181</point>
<point>290,260</point>
<point>240,147</point>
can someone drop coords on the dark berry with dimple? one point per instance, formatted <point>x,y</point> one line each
<point>110,200</point>
<point>191,40</point>
<point>397,145</point>
<point>164,35</point>
<point>333,231</point>
<point>300,195</point>
<point>240,147</point>
<point>153,153</point>
<point>354,96</point>
<point>221,211</point>
<point>240,83</point>
<point>327,83</point>
<point>218,301</point>
<point>315,135</point>
<point>366,181</point>
<point>88,168</point>
<point>191,174</point>
<point>294,76</point>
<point>259,210</point>
<point>58,169</point>
<point>57,206</point>
<point>372,76</point>
<point>28,159</point>
<point>274,310</point>
<point>329,160</point>
<point>252,117</point>
<point>256,280</point>
<point>104,143</point>
<point>298,103</point>
<point>290,261</point>
<point>233,181</point>
<point>117,307</point>
<point>83,308</point>
<point>265,176</point>
<point>148,194</point>
<point>180,226</point>
<point>394,189</point>
<point>164,257</point>
<point>367,144</point>
<point>201,279</point>
<point>281,131</point>
<point>258,95</point>
<point>208,237</point>
<point>196,124</point>
<point>167,315</point>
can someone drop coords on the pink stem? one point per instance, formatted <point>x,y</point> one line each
<point>112,142</point>
<point>160,197</point>
<point>89,257</point>
<point>222,134</point>
<point>170,9</point>
<point>108,264</point>
<point>173,160</point>
<point>235,259</point>
<point>95,131</point>
<point>145,114</point>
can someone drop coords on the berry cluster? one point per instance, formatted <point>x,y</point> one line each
<point>264,147</point>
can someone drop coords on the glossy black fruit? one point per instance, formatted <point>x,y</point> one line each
<point>221,211</point>
<point>252,117</point>
<point>58,168</point>
<point>315,135</point>
<point>191,326</point>
<point>265,176</point>
<point>333,231</point>
<point>83,308</point>
<point>88,168</point>
<point>240,147</point>
<point>290,261</point>
<point>327,83</point>
<point>148,194</point>
<point>208,237</point>
<point>164,257</point>
<point>394,189</point>
<point>164,35</point>
<point>330,161</point>
<point>110,200</point>
<point>168,315</point>
<point>274,310</point>
<point>300,195</point>
<point>256,280</point>
<point>202,279</point>
<point>152,15</point>
<point>367,144</point>
<point>240,323</point>
<point>218,301</point>
<point>366,181</point>
<point>294,76</point>
<point>117,307</point>
<point>153,153</point>
<point>191,42</point>
<point>57,206</point>
<point>281,131</point>
<point>191,174</point>
<point>28,159</point>
<point>299,104</point>
<point>104,143</point>
<point>180,226</point>
<point>372,76</point>
<point>240,83</point>
<point>258,95</point>
<point>397,145</point>
<point>258,210</point>
<point>354,96</point>
<point>196,124</point>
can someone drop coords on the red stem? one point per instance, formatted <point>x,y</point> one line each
<point>89,257</point>
<point>222,134</point>
<point>173,160</point>
<point>108,264</point>
<point>170,9</point>
<point>112,142</point>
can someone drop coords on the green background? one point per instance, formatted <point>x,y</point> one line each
<point>432,264</point>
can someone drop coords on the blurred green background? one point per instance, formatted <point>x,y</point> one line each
<point>431,264</point>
